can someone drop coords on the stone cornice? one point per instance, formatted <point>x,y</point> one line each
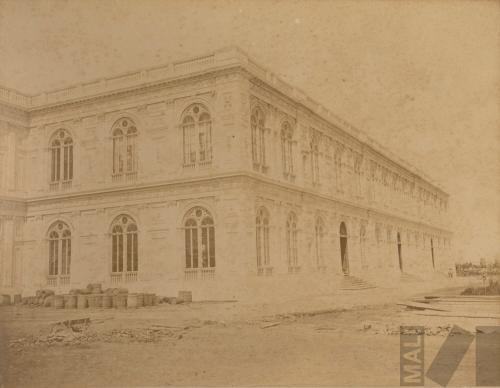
<point>220,178</point>
<point>14,115</point>
<point>12,206</point>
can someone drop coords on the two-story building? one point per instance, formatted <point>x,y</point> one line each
<point>211,175</point>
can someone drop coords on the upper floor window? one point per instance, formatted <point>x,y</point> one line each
<point>262,241</point>
<point>338,171</point>
<point>287,149</point>
<point>59,254</point>
<point>61,158</point>
<point>197,135</point>
<point>124,249</point>
<point>258,127</point>
<point>291,243</point>
<point>124,148</point>
<point>315,160</point>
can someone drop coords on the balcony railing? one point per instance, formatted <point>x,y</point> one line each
<point>199,273</point>
<point>52,280</point>
<point>64,280</point>
<point>193,165</point>
<point>131,176</point>
<point>60,185</point>
<point>124,176</point>
<point>66,185</point>
<point>205,162</point>
<point>58,280</point>
<point>293,269</point>
<point>264,271</point>
<point>207,273</point>
<point>124,277</point>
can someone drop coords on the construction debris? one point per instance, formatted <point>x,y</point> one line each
<point>270,325</point>
<point>420,306</point>
<point>458,314</point>
<point>395,329</point>
<point>80,331</point>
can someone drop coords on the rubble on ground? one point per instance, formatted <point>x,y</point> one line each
<point>390,328</point>
<point>81,331</point>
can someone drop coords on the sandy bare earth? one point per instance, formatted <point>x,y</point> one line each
<point>216,344</point>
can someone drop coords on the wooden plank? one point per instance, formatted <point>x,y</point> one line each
<point>483,297</point>
<point>426,301</point>
<point>468,300</point>
<point>270,325</point>
<point>421,306</point>
<point>457,314</point>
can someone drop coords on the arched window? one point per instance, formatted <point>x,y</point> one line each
<point>61,158</point>
<point>378,234</point>
<point>432,254</point>
<point>262,236</point>
<point>59,254</point>
<point>400,251</point>
<point>315,160</point>
<point>258,127</point>
<point>291,243</point>
<point>286,149</point>
<point>344,251</point>
<point>196,135</point>
<point>124,148</point>
<point>362,244</point>
<point>319,234</point>
<point>339,150</point>
<point>199,243</point>
<point>124,249</point>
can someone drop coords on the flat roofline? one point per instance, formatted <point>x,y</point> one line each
<point>226,57</point>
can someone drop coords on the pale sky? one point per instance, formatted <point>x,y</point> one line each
<point>420,77</point>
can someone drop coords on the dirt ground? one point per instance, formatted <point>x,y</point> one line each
<point>350,340</point>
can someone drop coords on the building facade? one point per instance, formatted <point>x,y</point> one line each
<point>211,175</point>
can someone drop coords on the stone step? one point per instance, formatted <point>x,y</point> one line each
<point>353,283</point>
<point>406,277</point>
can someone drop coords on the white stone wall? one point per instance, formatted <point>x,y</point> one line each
<point>356,186</point>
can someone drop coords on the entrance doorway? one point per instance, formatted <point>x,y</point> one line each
<point>400,253</point>
<point>343,249</point>
<point>432,254</point>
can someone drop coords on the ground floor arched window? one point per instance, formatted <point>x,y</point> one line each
<point>59,266</point>
<point>362,244</point>
<point>291,243</point>
<point>319,236</point>
<point>124,249</point>
<point>262,242</point>
<point>199,243</point>
<point>400,252</point>
<point>344,258</point>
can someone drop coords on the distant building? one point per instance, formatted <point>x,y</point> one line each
<point>211,175</point>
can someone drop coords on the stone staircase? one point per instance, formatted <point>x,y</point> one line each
<point>352,283</point>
